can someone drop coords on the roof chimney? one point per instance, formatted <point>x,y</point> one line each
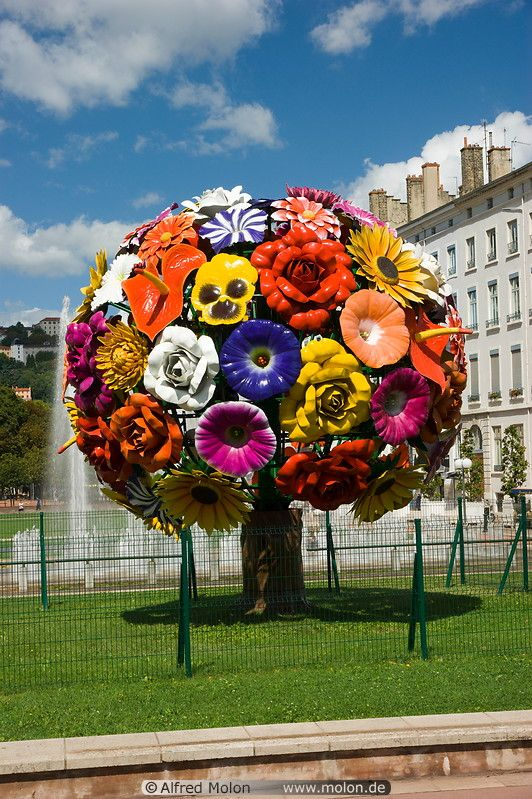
<point>472,167</point>
<point>499,162</point>
<point>431,184</point>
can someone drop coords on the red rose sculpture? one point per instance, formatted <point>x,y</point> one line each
<point>303,277</point>
<point>330,481</point>
<point>97,442</point>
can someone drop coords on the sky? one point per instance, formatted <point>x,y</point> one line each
<point>112,109</point>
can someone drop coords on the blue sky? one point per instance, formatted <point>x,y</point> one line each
<point>112,109</point>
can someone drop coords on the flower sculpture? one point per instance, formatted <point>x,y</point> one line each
<point>240,353</point>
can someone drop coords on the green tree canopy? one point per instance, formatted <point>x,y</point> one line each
<point>514,462</point>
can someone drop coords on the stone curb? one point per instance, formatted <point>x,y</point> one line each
<point>145,749</point>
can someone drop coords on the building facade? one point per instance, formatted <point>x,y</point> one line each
<point>50,325</point>
<point>483,239</point>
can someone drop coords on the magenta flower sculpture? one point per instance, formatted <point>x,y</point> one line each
<point>400,405</point>
<point>235,438</point>
<point>261,359</point>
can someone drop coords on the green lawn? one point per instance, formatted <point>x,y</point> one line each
<point>307,693</point>
<point>105,662</point>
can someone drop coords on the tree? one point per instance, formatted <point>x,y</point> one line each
<point>15,333</point>
<point>514,463</point>
<point>473,477</point>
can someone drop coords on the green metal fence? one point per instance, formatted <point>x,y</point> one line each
<point>97,597</point>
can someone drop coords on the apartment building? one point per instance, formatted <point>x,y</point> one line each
<point>483,238</point>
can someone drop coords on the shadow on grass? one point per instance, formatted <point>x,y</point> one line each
<point>352,604</point>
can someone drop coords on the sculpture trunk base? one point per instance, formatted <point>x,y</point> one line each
<point>272,563</point>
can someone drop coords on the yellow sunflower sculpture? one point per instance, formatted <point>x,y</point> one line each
<point>122,356</point>
<point>392,490</point>
<point>387,266</point>
<point>211,500</point>
<point>95,281</point>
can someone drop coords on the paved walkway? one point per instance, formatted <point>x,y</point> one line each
<point>501,786</point>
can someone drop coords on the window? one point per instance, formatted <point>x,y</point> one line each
<point>451,260</point>
<point>517,376</point>
<point>515,299</point>
<point>512,236</point>
<point>520,433</point>
<point>510,194</point>
<point>417,237</point>
<point>497,448</point>
<point>433,231</point>
<point>493,304</point>
<point>495,374</point>
<point>489,202</point>
<point>473,378</point>
<point>476,438</point>
<point>450,223</point>
<point>491,244</point>
<point>473,311</point>
<point>469,213</point>
<point>470,246</point>
<point>435,255</point>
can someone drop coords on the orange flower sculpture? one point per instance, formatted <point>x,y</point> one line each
<point>102,450</point>
<point>147,435</point>
<point>373,327</point>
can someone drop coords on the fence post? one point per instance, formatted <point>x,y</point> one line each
<point>44,576</point>
<point>193,583</point>
<point>331,556</point>
<point>418,611</point>
<point>183,640</point>
<point>525,543</point>
<point>520,532</point>
<point>458,538</point>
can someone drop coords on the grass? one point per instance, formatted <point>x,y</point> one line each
<point>307,693</point>
<point>346,657</point>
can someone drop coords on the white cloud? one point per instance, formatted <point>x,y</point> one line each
<point>62,55</point>
<point>148,199</point>
<point>239,125</point>
<point>13,312</point>
<point>78,147</point>
<point>4,162</point>
<point>443,148</point>
<point>351,26</point>
<point>57,250</point>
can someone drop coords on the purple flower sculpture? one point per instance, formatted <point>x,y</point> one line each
<point>234,226</point>
<point>235,438</point>
<point>400,405</point>
<point>92,394</point>
<point>260,359</point>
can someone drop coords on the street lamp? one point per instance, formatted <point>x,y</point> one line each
<point>463,465</point>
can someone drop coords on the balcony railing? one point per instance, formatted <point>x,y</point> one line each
<point>516,392</point>
<point>514,317</point>
<point>512,247</point>
<point>471,263</point>
<point>494,395</point>
<point>492,322</point>
<point>473,326</point>
<point>474,398</point>
<point>492,255</point>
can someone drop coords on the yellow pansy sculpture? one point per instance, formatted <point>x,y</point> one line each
<point>330,396</point>
<point>223,288</point>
